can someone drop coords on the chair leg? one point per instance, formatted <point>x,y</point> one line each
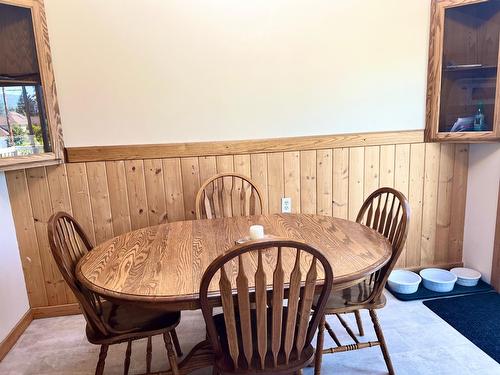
<point>170,353</point>
<point>177,345</point>
<point>318,359</point>
<point>126,364</point>
<point>381,339</point>
<point>359,322</point>
<point>149,355</point>
<point>332,334</point>
<point>99,370</point>
<point>347,328</point>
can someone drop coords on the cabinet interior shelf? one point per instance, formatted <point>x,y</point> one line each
<point>469,68</point>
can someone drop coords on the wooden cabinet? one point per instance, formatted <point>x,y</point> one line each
<point>463,88</point>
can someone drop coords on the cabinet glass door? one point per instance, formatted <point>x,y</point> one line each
<point>470,68</point>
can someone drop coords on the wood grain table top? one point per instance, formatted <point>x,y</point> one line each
<point>164,264</point>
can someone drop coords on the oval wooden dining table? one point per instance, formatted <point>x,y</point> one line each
<point>162,266</point>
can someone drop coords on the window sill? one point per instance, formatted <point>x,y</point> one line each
<point>30,161</point>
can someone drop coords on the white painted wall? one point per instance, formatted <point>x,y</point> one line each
<point>12,287</point>
<point>158,71</point>
<point>481,208</point>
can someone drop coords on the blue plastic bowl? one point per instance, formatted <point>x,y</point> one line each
<point>403,281</point>
<point>438,280</point>
<point>466,276</point>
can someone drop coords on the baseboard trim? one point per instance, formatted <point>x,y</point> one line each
<point>53,311</point>
<point>15,333</point>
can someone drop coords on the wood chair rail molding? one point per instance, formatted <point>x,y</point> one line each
<point>40,30</point>
<point>168,150</point>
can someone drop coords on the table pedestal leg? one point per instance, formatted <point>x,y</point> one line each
<point>199,357</point>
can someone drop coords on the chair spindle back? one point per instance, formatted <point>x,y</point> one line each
<point>249,344</point>
<point>387,211</point>
<point>228,195</point>
<point>69,243</point>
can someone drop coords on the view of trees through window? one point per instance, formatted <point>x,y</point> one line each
<point>23,129</point>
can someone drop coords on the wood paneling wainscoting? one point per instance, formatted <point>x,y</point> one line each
<point>110,197</point>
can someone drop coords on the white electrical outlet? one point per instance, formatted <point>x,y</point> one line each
<point>286,205</point>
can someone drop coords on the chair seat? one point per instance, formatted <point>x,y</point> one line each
<point>226,363</point>
<point>137,322</point>
<point>352,298</point>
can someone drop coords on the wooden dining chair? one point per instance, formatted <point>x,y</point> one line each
<point>108,323</point>
<point>228,195</point>
<point>265,325</point>
<point>387,211</point>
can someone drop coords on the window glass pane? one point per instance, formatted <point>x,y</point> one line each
<point>23,126</point>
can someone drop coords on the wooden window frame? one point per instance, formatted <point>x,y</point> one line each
<point>434,69</point>
<point>56,156</point>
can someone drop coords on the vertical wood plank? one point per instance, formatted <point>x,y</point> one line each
<point>429,208</point>
<point>258,167</point>
<point>190,185</point>
<point>444,202</point>
<point>172,175</point>
<point>415,197</point>
<point>387,165</point>
<point>26,237</point>
<point>356,180</point>
<point>208,167</point>
<point>118,196</point>
<point>38,188</point>
<point>155,191</point>
<point>459,195</point>
<point>225,164</point>
<point>324,170</point>
<point>401,183</point>
<point>340,183</point>
<point>372,170</point>
<point>99,199</point>
<point>308,182</point>
<point>402,169</point>
<point>58,188</point>
<point>276,181</point>
<point>80,198</point>
<point>242,165</point>
<point>136,190</point>
<point>59,194</point>
<point>291,169</point>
